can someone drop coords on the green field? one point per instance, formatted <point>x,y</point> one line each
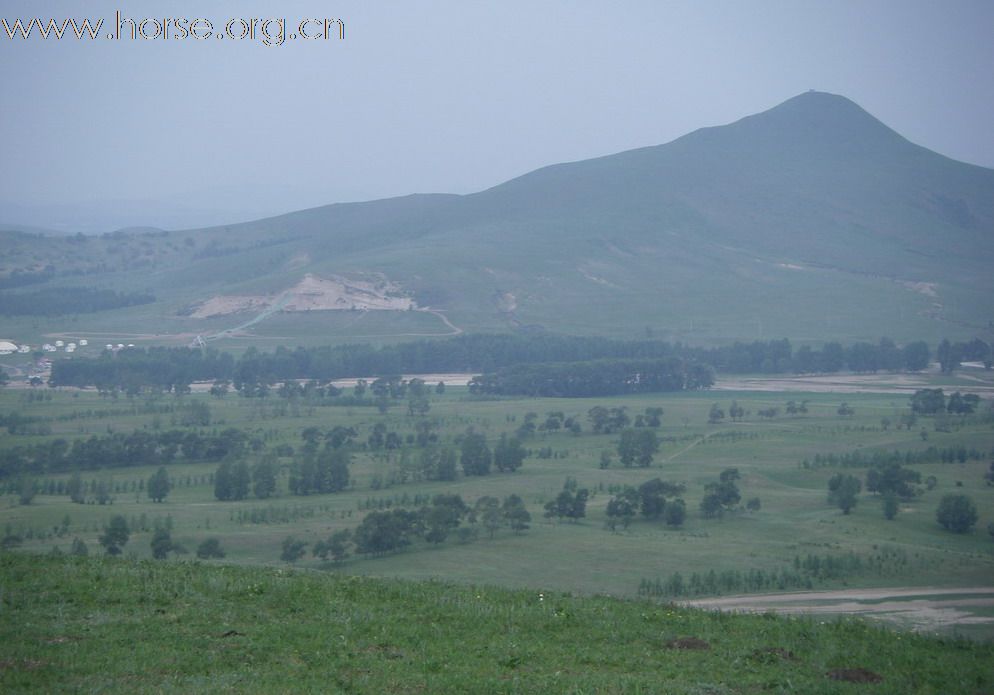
<point>585,557</point>
<point>120,626</point>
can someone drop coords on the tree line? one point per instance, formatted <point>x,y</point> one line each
<point>118,450</point>
<point>489,353</point>
<point>604,377</point>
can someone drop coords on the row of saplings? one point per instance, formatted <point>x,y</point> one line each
<point>893,484</point>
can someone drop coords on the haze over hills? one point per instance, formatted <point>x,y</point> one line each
<point>812,220</point>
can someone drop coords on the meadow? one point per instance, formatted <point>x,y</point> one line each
<point>582,556</point>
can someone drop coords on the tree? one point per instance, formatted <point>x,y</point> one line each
<point>210,548</point>
<point>948,356</point>
<point>892,477</point>
<point>264,478</point>
<point>754,504</point>
<point>890,506</point>
<point>722,496</point>
<point>568,504</point>
<point>115,535</point>
<point>27,488</point>
<point>637,446</point>
<point>653,417</point>
<point>676,512</point>
<point>337,545</point>
<point>515,513</point>
<point>956,513</point>
<point>79,548</point>
<point>843,490</point>
<point>240,481</point>
<point>621,508</point>
<point>508,454</point>
<point>74,488</point>
<point>487,511</point>
<point>293,549</point>
<point>845,410</point>
<point>475,455</point>
<point>159,485</point>
<point>915,356</point>
<point>651,497</point>
<point>928,402</point>
<point>222,482</point>
<point>716,414</point>
<point>162,544</point>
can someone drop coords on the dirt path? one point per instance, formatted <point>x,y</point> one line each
<point>445,319</point>
<point>699,440</point>
<point>921,608</point>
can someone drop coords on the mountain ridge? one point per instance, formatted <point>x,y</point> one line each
<point>725,222</point>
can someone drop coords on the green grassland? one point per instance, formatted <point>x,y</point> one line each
<point>124,626</point>
<point>584,557</point>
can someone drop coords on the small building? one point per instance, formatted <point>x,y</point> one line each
<point>6,347</point>
<point>83,342</point>
<point>70,348</point>
<point>24,349</point>
<point>108,346</point>
<point>59,343</point>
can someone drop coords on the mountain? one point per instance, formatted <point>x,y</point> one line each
<point>812,220</point>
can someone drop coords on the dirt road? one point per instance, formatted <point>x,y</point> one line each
<point>920,608</point>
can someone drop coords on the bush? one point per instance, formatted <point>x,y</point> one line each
<point>957,513</point>
<point>210,548</point>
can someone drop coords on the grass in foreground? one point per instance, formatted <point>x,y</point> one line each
<point>94,624</point>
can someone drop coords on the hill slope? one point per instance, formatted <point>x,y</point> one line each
<point>79,624</point>
<point>812,220</point>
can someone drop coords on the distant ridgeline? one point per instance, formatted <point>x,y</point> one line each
<point>562,365</point>
<point>59,301</point>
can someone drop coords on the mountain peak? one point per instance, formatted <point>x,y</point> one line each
<point>817,120</point>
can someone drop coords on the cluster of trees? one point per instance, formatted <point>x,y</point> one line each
<point>934,402</point>
<point>637,447</point>
<point>164,367</point>
<point>604,377</point>
<point>892,482</point>
<point>382,532</point>
<point>950,355</point>
<point>58,301</point>
<point>234,480</point>
<point>570,503</point>
<point>654,499</point>
<point>476,458</point>
<point>118,450</point>
<point>723,496</point>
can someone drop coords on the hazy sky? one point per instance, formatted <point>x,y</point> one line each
<point>444,96</point>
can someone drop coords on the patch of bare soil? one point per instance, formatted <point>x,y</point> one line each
<point>837,383</point>
<point>312,293</point>
<point>854,675</point>
<point>920,608</point>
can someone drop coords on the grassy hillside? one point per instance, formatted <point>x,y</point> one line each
<point>812,220</point>
<point>115,626</point>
